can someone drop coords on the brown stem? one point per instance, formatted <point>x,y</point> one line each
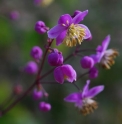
<point>76,86</point>
<point>19,99</point>
<point>31,87</point>
<point>39,78</point>
<point>42,63</point>
<point>82,75</point>
<point>87,50</point>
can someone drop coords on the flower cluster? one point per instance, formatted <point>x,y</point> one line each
<point>71,33</point>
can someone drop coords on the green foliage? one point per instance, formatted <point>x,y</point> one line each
<point>6,34</point>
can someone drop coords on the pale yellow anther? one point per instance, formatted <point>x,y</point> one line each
<point>108,59</point>
<point>75,34</point>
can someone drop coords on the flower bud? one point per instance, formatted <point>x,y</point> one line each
<point>14,15</point>
<point>87,62</point>
<point>93,73</point>
<point>31,67</point>
<point>18,89</point>
<point>36,53</point>
<point>37,94</point>
<point>40,27</point>
<point>75,13</point>
<point>43,106</point>
<point>55,58</point>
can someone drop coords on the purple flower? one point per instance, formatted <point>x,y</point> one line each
<point>64,72</point>
<point>40,27</point>
<point>69,31</point>
<point>36,52</point>
<point>103,56</point>
<point>87,62</point>
<point>43,106</point>
<point>37,94</point>
<point>14,15</point>
<point>83,100</point>
<point>93,72</point>
<point>31,67</point>
<point>55,58</point>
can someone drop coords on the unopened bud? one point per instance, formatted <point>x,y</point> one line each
<point>31,68</point>
<point>93,73</point>
<point>37,94</point>
<point>87,62</point>
<point>40,27</point>
<point>55,58</point>
<point>43,106</point>
<point>36,52</point>
<point>18,89</point>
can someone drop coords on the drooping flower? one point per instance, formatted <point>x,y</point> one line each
<point>31,67</point>
<point>105,56</point>
<point>64,72</point>
<point>36,52</point>
<point>69,31</point>
<point>43,106</point>
<point>83,100</point>
<point>87,62</point>
<point>40,27</point>
<point>55,58</point>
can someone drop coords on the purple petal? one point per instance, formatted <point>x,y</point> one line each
<point>65,20</point>
<point>75,13</point>
<point>53,59</point>
<point>69,73</point>
<point>58,75</point>
<point>79,17</point>
<point>106,42</point>
<point>85,88</point>
<point>61,37</point>
<point>79,104</point>
<point>96,57</point>
<point>73,97</point>
<point>99,48</point>
<point>94,91</point>
<point>93,72</point>
<point>87,31</point>
<point>55,31</point>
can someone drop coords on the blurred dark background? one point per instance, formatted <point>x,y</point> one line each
<point>17,37</point>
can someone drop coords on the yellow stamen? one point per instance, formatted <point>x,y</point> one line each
<point>74,34</point>
<point>89,108</point>
<point>108,58</point>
